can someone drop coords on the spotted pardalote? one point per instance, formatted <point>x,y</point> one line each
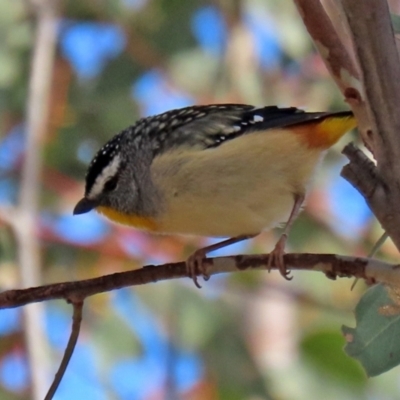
<point>228,170</point>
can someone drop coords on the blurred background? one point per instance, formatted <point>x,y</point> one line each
<point>73,74</point>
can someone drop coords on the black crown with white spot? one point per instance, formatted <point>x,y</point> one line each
<point>102,159</point>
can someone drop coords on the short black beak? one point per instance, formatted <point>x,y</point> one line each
<point>84,205</point>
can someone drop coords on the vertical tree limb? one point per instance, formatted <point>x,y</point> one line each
<point>26,216</point>
<point>374,44</point>
<point>328,43</point>
<point>380,70</point>
<point>370,83</point>
<point>336,55</point>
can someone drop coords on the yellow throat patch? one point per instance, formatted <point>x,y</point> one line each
<point>128,219</point>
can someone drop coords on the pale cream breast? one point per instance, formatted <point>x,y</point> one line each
<point>241,187</point>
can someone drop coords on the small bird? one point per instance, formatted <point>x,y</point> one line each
<point>224,170</point>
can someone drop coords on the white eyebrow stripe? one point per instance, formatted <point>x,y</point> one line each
<point>103,177</point>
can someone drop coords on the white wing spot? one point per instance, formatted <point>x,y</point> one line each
<point>258,118</point>
<point>230,129</point>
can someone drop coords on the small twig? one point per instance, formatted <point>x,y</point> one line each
<point>331,265</point>
<point>362,173</point>
<point>372,253</point>
<point>378,244</point>
<point>75,329</point>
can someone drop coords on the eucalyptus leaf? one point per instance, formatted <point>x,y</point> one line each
<point>375,341</point>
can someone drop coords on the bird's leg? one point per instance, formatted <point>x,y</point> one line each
<point>276,256</point>
<point>195,263</point>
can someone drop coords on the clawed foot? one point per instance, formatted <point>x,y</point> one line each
<point>276,258</point>
<point>195,264</point>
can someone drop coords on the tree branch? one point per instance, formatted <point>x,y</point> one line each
<point>337,58</point>
<point>328,43</point>
<point>380,72</point>
<point>370,82</point>
<point>331,265</point>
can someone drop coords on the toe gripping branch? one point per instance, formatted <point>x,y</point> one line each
<point>196,263</point>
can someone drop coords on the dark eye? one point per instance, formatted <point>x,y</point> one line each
<point>111,184</point>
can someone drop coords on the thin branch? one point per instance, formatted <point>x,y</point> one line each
<point>76,327</point>
<point>331,265</point>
